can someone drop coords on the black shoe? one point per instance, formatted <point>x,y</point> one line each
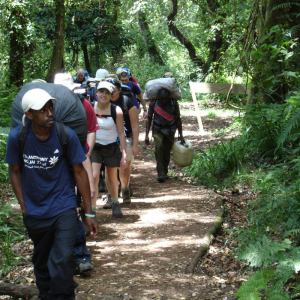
<point>84,267</point>
<point>166,177</point>
<point>116,209</point>
<point>131,191</point>
<point>161,178</point>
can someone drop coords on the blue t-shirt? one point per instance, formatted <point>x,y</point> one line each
<point>46,179</point>
<point>135,91</point>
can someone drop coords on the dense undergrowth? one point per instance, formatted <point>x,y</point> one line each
<point>265,157</point>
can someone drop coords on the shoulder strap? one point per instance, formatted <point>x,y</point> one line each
<point>23,133</point>
<point>63,136</point>
<point>113,108</point>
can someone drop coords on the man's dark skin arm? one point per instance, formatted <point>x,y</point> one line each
<point>179,127</point>
<point>148,125</point>
<point>83,186</point>
<point>16,180</point>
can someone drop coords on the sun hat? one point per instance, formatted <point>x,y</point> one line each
<point>35,99</point>
<point>168,75</point>
<point>65,79</point>
<point>100,74</point>
<point>120,70</point>
<point>106,85</point>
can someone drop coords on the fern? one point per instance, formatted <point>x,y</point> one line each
<point>256,282</point>
<point>264,253</point>
<point>284,5</point>
<point>287,128</point>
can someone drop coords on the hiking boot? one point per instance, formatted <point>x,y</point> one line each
<point>166,177</point>
<point>131,191</point>
<point>107,203</point>
<point>126,196</point>
<point>84,267</point>
<point>161,178</point>
<point>116,209</point>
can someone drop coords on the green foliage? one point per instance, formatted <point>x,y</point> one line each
<point>223,160</point>
<point>3,166</point>
<point>250,290</point>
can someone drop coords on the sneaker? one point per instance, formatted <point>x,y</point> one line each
<point>84,266</point>
<point>126,196</point>
<point>116,209</point>
<point>107,203</point>
<point>161,178</point>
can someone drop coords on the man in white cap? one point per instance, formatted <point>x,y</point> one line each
<point>42,183</point>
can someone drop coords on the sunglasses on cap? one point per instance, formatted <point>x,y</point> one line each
<point>112,81</point>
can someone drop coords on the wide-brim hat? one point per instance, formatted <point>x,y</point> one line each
<point>65,79</point>
<point>100,74</point>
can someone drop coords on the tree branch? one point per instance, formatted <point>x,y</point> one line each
<point>205,8</point>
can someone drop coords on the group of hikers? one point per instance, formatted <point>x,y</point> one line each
<point>41,152</point>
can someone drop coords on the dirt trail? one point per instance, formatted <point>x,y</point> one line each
<point>146,254</point>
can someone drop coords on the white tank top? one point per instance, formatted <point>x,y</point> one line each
<point>108,132</point>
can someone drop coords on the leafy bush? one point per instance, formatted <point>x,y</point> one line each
<point>6,100</point>
<point>3,166</point>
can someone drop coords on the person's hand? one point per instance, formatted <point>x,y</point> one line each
<point>135,151</point>
<point>123,163</point>
<point>147,142</point>
<point>93,226</point>
<point>24,210</point>
<point>145,114</point>
<point>182,141</point>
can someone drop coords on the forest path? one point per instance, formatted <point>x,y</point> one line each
<point>147,253</point>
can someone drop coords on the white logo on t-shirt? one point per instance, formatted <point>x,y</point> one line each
<point>56,151</point>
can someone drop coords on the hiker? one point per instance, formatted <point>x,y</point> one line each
<point>131,125</point>
<point>81,76</point>
<point>106,149</point>
<point>136,91</point>
<point>131,78</point>
<point>43,186</point>
<point>166,119</point>
<point>100,75</point>
<point>82,255</point>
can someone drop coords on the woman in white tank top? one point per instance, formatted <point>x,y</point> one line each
<point>106,149</point>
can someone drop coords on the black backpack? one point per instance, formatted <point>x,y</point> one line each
<point>126,91</point>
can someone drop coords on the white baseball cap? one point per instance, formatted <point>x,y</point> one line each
<point>65,79</point>
<point>35,99</point>
<point>106,85</point>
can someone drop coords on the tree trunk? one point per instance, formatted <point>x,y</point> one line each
<point>16,52</point>
<point>86,58</point>
<point>149,42</point>
<point>58,49</point>
<point>182,39</point>
<point>18,290</point>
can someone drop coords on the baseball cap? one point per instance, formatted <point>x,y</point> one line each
<point>35,99</point>
<point>106,85</point>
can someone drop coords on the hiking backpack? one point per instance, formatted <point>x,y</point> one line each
<point>68,108</point>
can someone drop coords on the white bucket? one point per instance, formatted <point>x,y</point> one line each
<point>183,154</point>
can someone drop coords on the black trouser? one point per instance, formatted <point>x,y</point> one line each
<point>53,258</point>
